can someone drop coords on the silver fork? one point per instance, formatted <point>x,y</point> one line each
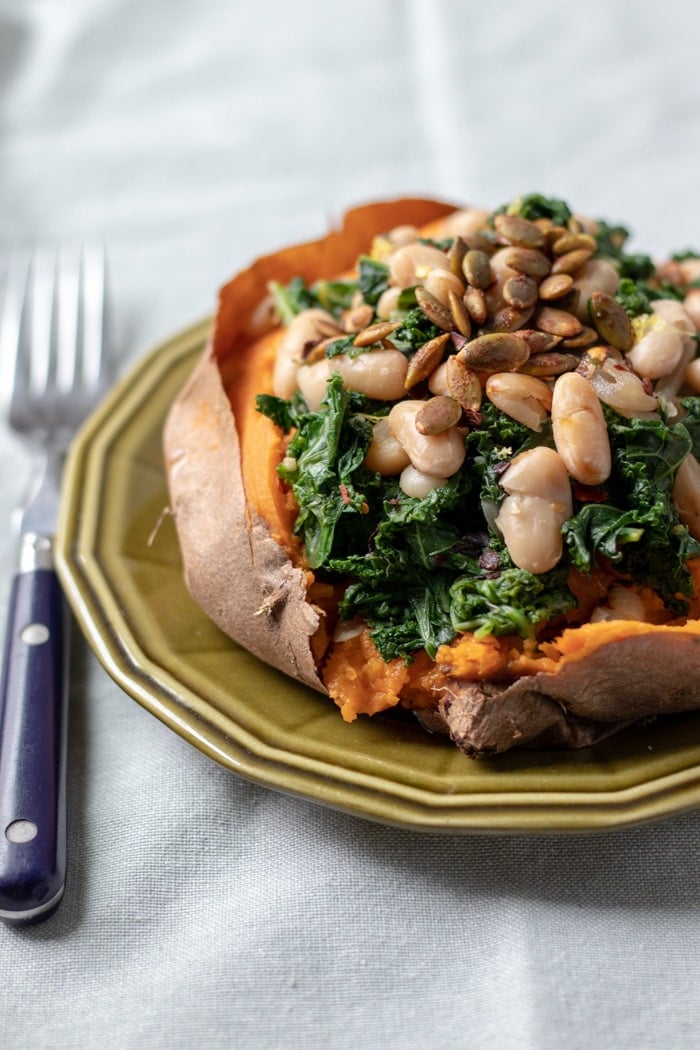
<point>53,332</point>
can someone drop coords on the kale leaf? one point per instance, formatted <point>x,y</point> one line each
<point>373,279</point>
<point>636,525</point>
<point>327,449</point>
<point>536,206</point>
<point>512,602</point>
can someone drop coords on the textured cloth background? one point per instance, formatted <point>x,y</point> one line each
<point>203,911</point>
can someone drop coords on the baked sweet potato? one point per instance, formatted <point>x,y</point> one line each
<point>445,459</point>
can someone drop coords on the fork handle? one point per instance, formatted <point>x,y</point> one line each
<point>33,715</point>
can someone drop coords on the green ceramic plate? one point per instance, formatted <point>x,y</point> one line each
<point>119,562</point>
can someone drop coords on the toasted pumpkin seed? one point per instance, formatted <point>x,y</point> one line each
<point>495,352</point>
<point>476,305</point>
<point>550,363</point>
<point>585,338</point>
<point>557,322</point>
<point>437,415</point>
<point>455,255</point>
<point>539,342</point>
<point>520,291</point>
<point>570,262</point>
<point>460,314</point>
<point>425,360</point>
<point>508,318</point>
<point>610,320</point>
<point>569,242</point>
<point>476,268</point>
<point>375,333</point>
<point>555,286</point>
<point>463,384</point>
<point>527,260</point>
<point>513,229</point>
<point>434,310</point>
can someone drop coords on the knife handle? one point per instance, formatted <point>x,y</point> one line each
<point>33,716</point>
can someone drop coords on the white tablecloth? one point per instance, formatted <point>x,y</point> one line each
<point>202,910</point>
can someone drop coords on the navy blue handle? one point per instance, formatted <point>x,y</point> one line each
<point>33,750</point>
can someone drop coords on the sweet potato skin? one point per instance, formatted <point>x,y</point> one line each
<point>623,681</point>
<point>250,586</point>
<point>241,577</point>
<point>234,567</point>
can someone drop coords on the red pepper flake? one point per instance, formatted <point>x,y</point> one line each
<point>589,494</point>
<point>344,494</point>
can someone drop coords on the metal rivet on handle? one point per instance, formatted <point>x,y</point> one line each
<point>35,634</point>
<point>21,831</point>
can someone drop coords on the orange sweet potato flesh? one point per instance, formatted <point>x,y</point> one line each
<point>246,569</point>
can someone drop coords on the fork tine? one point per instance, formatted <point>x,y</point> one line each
<point>68,295</point>
<point>14,304</point>
<point>93,279</point>
<point>42,321</point>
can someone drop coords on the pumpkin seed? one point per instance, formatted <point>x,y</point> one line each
<point>425,360</point>
<point>495,352</point>
<point>513,229</point>
<point>555,286</point>
<point>539,342</point>
<point>557,322</point>
<point>508,318</point>
<point>585,338</point>
<point>463,384</point>
<point>527,260</point>
<point>476,268</point>
<point>375,333</point>
<point>570,262</point>
<point>520,291</point>
<point>569,242</point>
<point>550,363</point>
<point>434,310</point>
<point>610,320</point>
<point>460,314</point>
<point>437,415</point>
<point>455,255</point>
<point>475,302</point>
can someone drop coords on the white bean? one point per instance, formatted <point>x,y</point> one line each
<point>440,282</point>
<point>579,429</point>
<point>387,303</point>
<point>307,328</point>
<point>673,313</point>
<point>532,533</point>
<point>401,235</point>
<point>540,471</point>
<point>409,265</point>
<point>462,223</point>
<point>690,269</point>
<point>692,374</point>
<point>378,374</point>
<point>537,505</point>
<point>439,454</point>
<point>312,380</point>
<point>597,275</point>
<point>692,306</point>
<point>417,484</point>
<point>686,494</point>
<point>521,397</point>
<point>385,455</point>
<point>622,603</point>
<point>437,384</point>
<point>658,351</point>
<point>618,386</point>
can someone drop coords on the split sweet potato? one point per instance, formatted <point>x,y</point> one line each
<point>246,567</point>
